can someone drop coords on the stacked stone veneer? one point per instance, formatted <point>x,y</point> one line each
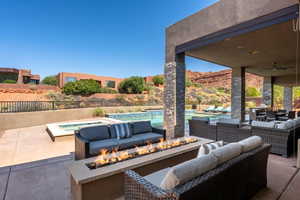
<point>238,93</point>
<point>288,98</point>
<point>268,91</point>
<point>174,99</point>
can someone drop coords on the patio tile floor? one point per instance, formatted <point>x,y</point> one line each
<point>49,180</point>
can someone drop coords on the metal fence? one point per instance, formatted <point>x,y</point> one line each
<point>32,106</point>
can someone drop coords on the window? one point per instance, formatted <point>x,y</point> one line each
<point>110,84</point>
<point>70,79</point>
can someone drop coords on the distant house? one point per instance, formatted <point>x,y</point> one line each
<point>21,76</point>
<point>104,81</point>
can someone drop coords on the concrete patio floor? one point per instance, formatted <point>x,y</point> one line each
<point>49,180</point>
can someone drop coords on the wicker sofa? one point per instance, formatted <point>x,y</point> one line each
<point>90,140</point>
<point>230,130</point>
<point>237,179</point>
<point>201,127</point>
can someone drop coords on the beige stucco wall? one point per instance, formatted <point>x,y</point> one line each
<point>28,119</point>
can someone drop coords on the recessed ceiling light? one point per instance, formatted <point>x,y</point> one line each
<point>227,39</point>
<point>240,47</point>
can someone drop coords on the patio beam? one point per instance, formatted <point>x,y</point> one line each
<point>174,96</point>
<point>288,98</point>
<point>268,91</point>
<point>238,93</point>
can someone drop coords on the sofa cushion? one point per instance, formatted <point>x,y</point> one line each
<point>204,119</point>
<point>131,142</point>
<point>229,121</point>
<point>188,170</point>
<point>149,137</point>
<point>227,152</point>
<point>156,178</point>
<point>250,143</point>
<point>120,131</point>
<point>108,144</point>
<point>263,124</point>
<point>94,133</point>
<point>207,148</point>
<point>141,127</point>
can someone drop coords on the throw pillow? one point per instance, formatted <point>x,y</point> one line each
<point>207,148</point>
<point>188,170</point>
<point>227,152</point>
<point>250,143</point>
<point>122,130</point>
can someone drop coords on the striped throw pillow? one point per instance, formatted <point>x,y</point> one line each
<point>122,130</point>
<point>207,148</point>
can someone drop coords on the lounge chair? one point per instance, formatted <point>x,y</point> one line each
<point>209,109</point>
<point>219,109</point>
<point>227,110</point>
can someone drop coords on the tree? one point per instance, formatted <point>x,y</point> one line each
<point>9,81</point>
<point>158,80</point>
<point>132,85</point>
<point>82,87</point>
<point>252,92</point>
<point>50,80</point>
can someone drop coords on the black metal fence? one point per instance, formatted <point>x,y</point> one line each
<point>32,106</point>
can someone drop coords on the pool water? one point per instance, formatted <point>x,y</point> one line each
<point>77,126</point>
<point>156,116</point>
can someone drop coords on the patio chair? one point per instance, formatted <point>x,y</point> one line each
<point>209,109</point>
<point>271,116</point>
<point>291,115</point>
<point>219,109</point>
<point>227,110</point>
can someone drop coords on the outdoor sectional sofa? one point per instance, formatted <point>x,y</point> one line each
<point>238,178</point>
<point>230,130</point>
<point>89,141</point>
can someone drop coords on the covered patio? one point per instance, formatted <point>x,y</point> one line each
<point>259,37</point>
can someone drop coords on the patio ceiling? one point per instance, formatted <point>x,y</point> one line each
<point>257,50</point>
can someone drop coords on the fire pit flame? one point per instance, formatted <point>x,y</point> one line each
<point>106,158</point>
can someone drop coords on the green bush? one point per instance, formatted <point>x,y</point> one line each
<point>158,80</point>
<point>188,82</point>
<point>10,81</point>
<point>50,80</point>
<point>107,90</point>
<point>132,85</point>
<point>98,112</point>
<point>252,92</point>
<point>81,87</point>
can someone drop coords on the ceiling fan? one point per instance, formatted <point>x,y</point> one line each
<point>277,67</point>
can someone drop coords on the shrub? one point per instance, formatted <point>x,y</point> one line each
<point>250,104</point>
<point>10,81</point>
<point>132,85</point>
<point>98,112</point>
<point>107,91</point>
<point>252,92</point>
<point>50,80</point>
<point>158,80</point>
<point>81,87</point>
<point>188,82</point>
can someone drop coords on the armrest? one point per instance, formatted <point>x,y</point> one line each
<point>160,131</point>
<point>136,186</point>
<point>81,147</point>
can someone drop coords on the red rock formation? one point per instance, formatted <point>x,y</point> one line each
<point>222,79</point>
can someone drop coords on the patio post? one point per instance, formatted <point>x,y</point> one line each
<point>238,93</point>
<point>288,98</point>
<point>268,91</point>
<point>174,96</point>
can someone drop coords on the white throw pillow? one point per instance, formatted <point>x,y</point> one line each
<point>227,152</point>
<point>207,148</point>
<point>250,143</point>
<point>188,170</point>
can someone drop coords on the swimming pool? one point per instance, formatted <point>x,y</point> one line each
<point>156,116</point>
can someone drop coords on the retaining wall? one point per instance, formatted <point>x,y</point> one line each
<point>28,119</point>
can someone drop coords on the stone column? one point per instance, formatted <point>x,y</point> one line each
<point>288,98</point>
<point>174,97</point>
<point>268,91</point>
<point>238,93</point>
<point>20,77</point>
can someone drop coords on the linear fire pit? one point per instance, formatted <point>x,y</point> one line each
<point>102,176</point>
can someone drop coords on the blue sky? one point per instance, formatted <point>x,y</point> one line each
<point>117,38</point>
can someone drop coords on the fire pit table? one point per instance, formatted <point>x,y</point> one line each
<point>102,177</point>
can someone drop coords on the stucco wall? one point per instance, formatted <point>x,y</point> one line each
<point>219,16</point>
<point>28,119</point>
